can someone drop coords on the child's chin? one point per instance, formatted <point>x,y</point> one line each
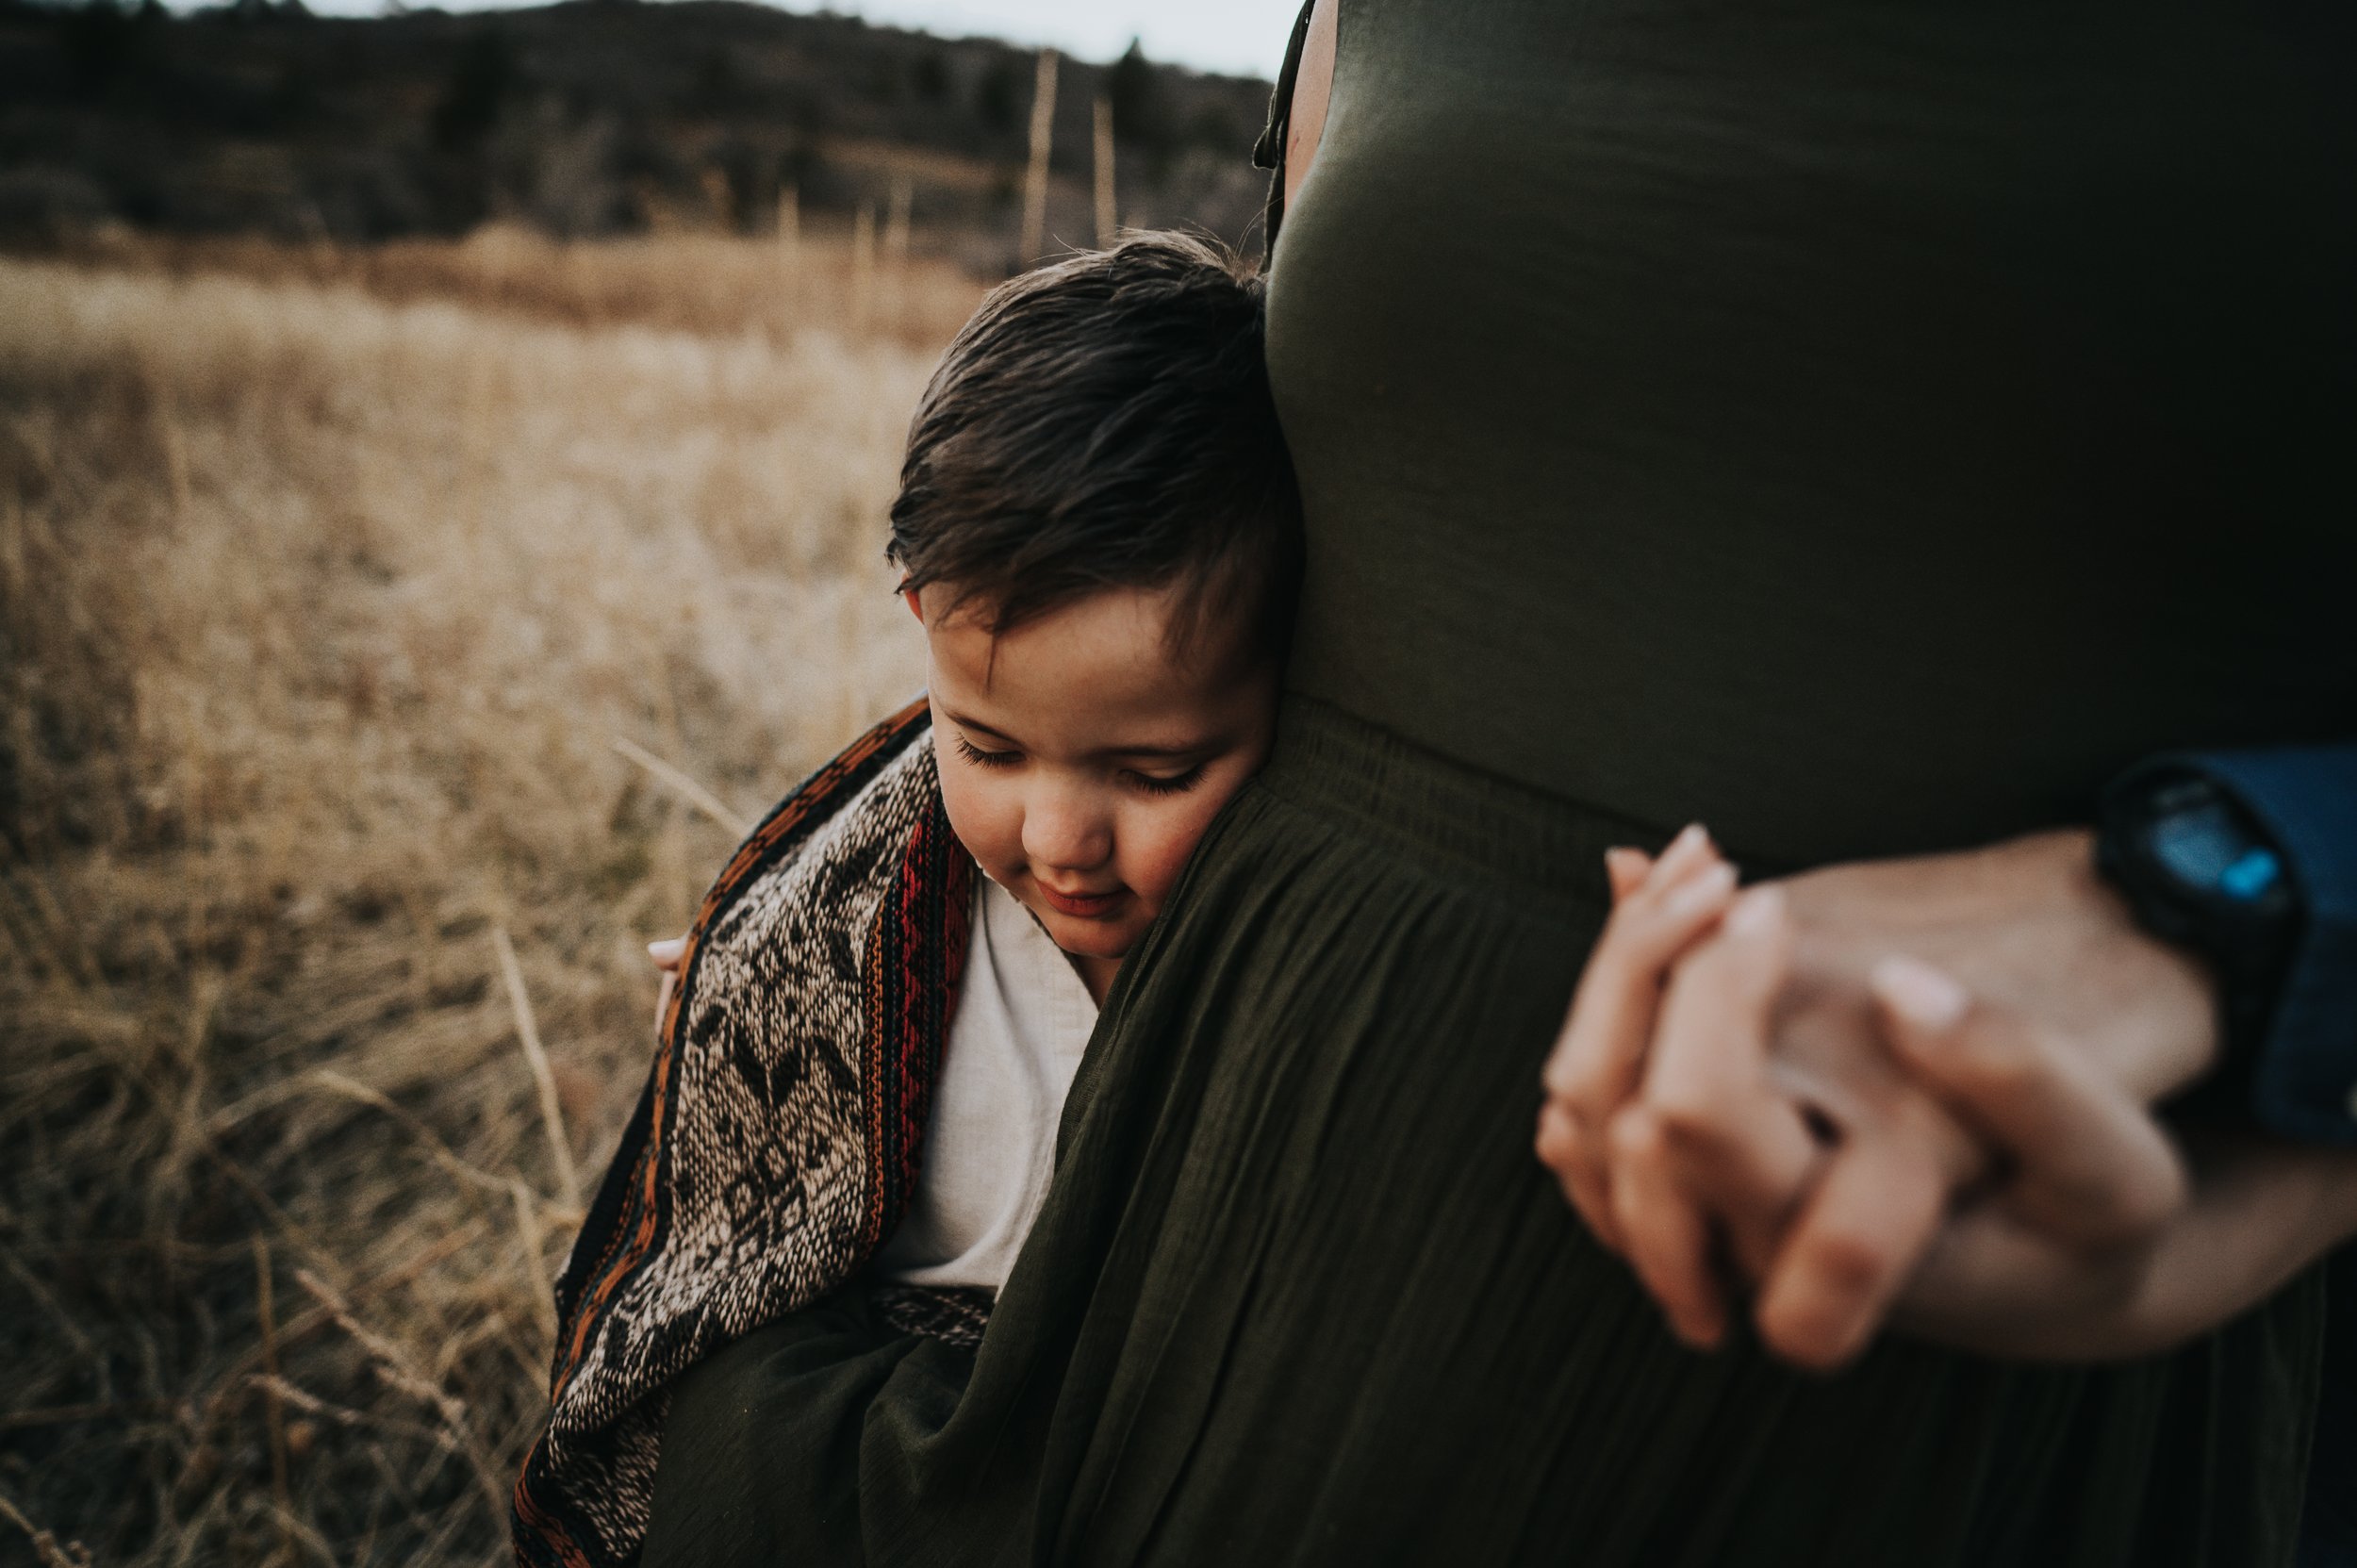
<point>1091,938</point>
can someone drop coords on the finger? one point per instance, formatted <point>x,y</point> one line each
<point>1687,852</point>
<point>1580,1173</point>
<point>663,998</point>
<point>1665,1237</point>
<point>1613,1008</point>
<point>1852,1247</point>
<point>1600,1056</point>
<point>1563,1146</point>
<point>1632,871</point>
<point>1625,869</point>
<point>2092,1166</point>
<point>667,952</point>
<point>1629,870</point>
<point>1742,1147</point>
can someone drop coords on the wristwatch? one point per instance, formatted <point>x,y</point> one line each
<point>2198,870</point>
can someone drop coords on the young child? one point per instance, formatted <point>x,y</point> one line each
<point>868,1049</point>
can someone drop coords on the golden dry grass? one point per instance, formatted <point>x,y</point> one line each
<point>696,282</point>
<point>331,585</point>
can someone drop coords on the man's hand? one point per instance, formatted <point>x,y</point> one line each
<point>2259,1210</point>
<point>1813,1073</point>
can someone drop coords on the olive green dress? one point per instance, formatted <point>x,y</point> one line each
<point>1860,425</point>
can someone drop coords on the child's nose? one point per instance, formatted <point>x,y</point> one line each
<point>1063,832</point>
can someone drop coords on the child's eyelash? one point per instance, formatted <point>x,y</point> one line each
<point>1145,782</point>
<point>980,758</point>
<point>1179,785</point>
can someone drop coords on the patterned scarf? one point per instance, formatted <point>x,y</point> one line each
<point>775,1143</point>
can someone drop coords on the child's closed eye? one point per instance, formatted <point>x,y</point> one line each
<point>980,758</point>
<point>1176,783</point>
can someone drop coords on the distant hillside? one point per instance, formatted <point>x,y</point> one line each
<point>587,118</point>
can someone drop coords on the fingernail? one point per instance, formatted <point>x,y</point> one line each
<point>1756,912</point>
<point>1705,889</point>
<point>1692,834</point>
<point>1924,997</point>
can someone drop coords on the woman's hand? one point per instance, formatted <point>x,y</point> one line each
<point>1775,1073</point>
<point>1662,910</point>
<point>667,954</point>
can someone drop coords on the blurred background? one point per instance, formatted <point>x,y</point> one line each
<point>442,469</point>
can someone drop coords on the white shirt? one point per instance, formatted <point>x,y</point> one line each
<point>1022,1022</point>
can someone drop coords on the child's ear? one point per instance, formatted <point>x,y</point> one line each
<point>916,606</point>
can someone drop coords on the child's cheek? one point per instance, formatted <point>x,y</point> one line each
<point>987,821</point>
<point>1164,852</point>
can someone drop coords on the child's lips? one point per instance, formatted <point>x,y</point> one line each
<point>1081,906</point>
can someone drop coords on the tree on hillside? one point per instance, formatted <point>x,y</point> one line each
<point>1141,118</point>
<point>487,74</point>
<point>103,41</point>
<point>998,99</point>
<point>931,76</point>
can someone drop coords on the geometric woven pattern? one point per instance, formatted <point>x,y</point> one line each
<point>776,1142</point>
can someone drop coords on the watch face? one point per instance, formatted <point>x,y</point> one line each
<point>2205,844</point>
<point>2198,871</point>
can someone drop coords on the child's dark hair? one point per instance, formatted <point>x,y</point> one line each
<point>1105,422</point>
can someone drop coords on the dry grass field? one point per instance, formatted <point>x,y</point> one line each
<point>386,639</point>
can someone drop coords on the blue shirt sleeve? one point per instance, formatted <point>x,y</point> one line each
<point>2304,1081</point>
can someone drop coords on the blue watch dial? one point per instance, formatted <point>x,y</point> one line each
<point>2210,849</point>
<point>2250,876</point>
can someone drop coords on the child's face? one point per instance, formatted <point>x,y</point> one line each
<point>1082,758</point>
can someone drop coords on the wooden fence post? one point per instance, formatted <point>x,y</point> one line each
<point>789,222</point>
<point>896,249</point>
<point>863,265</point>
<point>1035,178</point>
<point>1107,220</point>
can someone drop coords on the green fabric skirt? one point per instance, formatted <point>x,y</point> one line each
<point>1301,1294</point>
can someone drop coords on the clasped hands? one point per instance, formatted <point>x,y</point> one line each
<point>1914,1092</point>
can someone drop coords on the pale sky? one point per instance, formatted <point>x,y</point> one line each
<point>1244,38</point>
<point>1239,37</point>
